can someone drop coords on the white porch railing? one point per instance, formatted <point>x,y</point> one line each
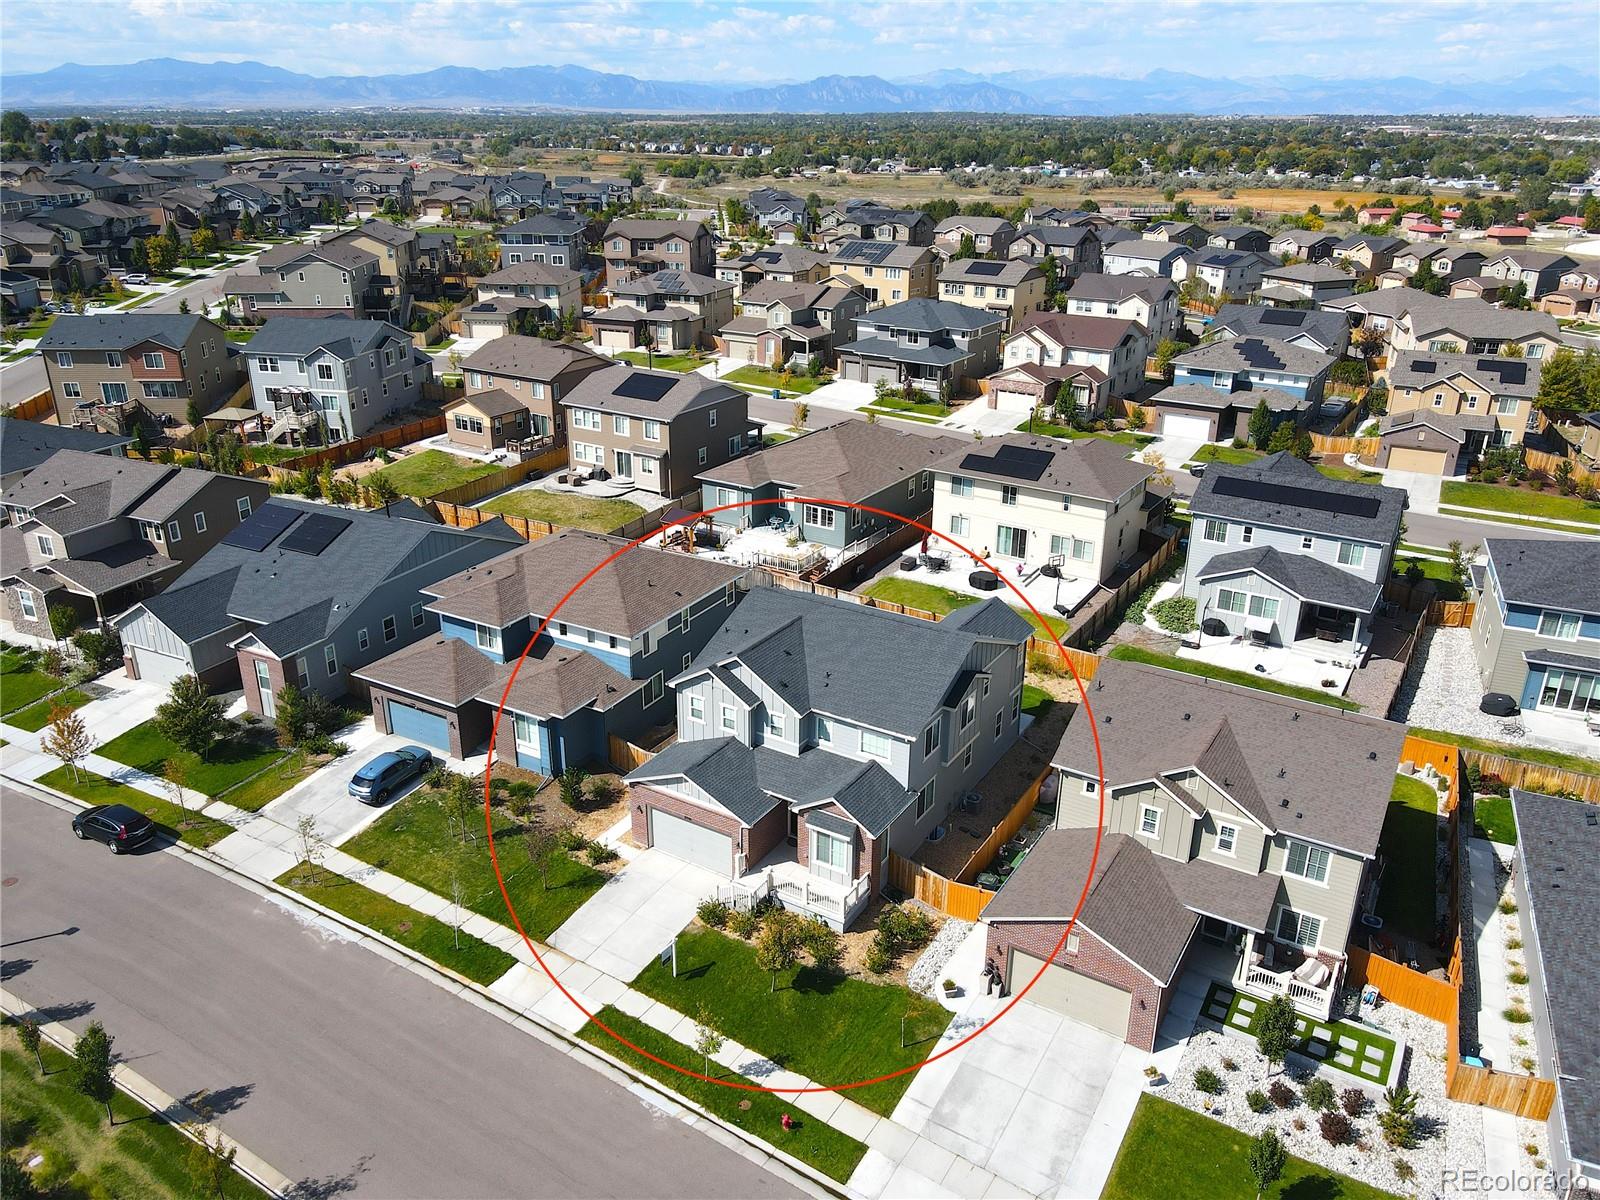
<point>1313,1001</point>
<point>826,901</point>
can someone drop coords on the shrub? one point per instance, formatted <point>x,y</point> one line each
<point>901,928</point>
<point>1517,1016</point>
<point>322,743</point>
<point>602,790</point>
<point>822,944</point>
<point>1518,977</point>
<point>744,923</point>
<point>1398,1120</point>
<point>1229,1065</point>
<point>1353,1101</point>
<point>571,840</point>
<point>1318,1095</point>
<point>1257,1100</point>
<point>1281,1093</point>
<point>597,854</point>
<point>1335,1128</point>
<point>1404,1171</point>
<point>571,782</point>
<point>101,650</point>
<point>1176,614</point>
<point>877,960</point>
<point>713,913</point>
<point>1208,1081</point>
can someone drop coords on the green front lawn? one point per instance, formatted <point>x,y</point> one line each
<point>431,472</point>
<point>833,1153</point>
<point>228,763</point>
<point>97,789</point>
<point>1408,842</point>
<point>413,840</point>
<point>1494,819</point>
<point>1223,675</point>
<point>257,792</point>
<point>583,512</point>
<point>1235,455</point>
<point>893,402</point>
<point>428,936</point>
<point>1349,474</point>
<point>829,1028</point>
<point>933,598</point>
<point>22,683</point>
<point>1522,502</point>
<point>1545,758</point>
<point>1444,584</point>
<point>1123,437</point>
<point>141,1157</point>
<point>1170,1151</point>
<point>902,415</point>
<point>36,716</point>
<point>763,378</point>
<point>681,363</point>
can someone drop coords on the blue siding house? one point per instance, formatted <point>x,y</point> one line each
<point>1242,364</point>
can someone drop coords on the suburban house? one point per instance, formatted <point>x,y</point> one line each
<point>160,363</point>
<point>1241,364</point>
<point>1283,556</point>
<point>1495,394</point>
<point>1241,834</point>
<point>867,221</point>
<point>41,254</point>
<point>666,309</point>
<point>1143,256</point>
<point>782,323</point>
<point>1536,625</point>
<point>991,236</point>
<point>1305,244</point>
<point>335,375</point>
<point>1376,214</point>
<point>25,445</point>
<point>1102,356</point>
<point>96,532</point>
<point>774,264</point>
<point>929,344</point>
<point>1445,261</point>
<point>597,668</point>
<point>1240,237</point>
<point>302,594</point>
<point>311,281</point>
<point>1305,283</point>
<point>815,736</point>
<point>558,238</point>
<point>658,428</point>
<point>1311,329</point>
<point>531,373</point>
<point>19,293</point>
<point>1538,271</point>
<point>773,207</point>
<point>1557,893</point>
<point>547,291</point>
<point>1150,300</point>
<point>1076,248</point>
<point>1011,288</point>
<point>885,272</point>
<point>1365,253</point>
<point>852,462</point>
<point>1024,502</point>
<point>397,250</point>
<point>1448,326</point>
<point>635,246</point>
<point>1219,272</point>
<point>1185,233</point>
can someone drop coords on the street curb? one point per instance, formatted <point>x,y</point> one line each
<point>799,1174</point>
<point>164,1107</point>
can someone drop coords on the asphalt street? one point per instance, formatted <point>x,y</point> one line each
<point>339,1068</point>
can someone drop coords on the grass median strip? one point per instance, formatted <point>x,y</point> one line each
<point>1523,502</point>
<point>833,1153</point>
<point>175,822</point>
<point>1224,675</point>
<point>430,937</point>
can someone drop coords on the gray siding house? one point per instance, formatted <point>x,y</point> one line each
<point>928,344</point>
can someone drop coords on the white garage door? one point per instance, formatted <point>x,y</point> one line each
<point>1079,997</point>
<point>1007,400</point>
<point>616,339</point>
<point>1173,425</point>
<point>156,667</point>
<point>688,841</point>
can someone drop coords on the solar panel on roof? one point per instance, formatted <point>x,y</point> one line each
<point>1296,497</point>
<point>985,268</point>
<point>1013,462</point>
<point>315,534</point>
<point>1424,364</point>
<point>873,252</point>
<point>1283,316</point>
<point>1259,354</point>
<point>1509,372</point>
<point>257,532</point>
<point>640,386</point>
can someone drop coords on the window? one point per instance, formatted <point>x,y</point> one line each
<point>72,391</point>
<point>654,689</point>
<point>960,486</point>
<point>713,418</point>
<point>1149,821</point>
<point>416,616</point>
<point>1299,929</point>
<point>1559,625</point>
<point>1229,600</point>
<point>174,532</point>
<point>1308,862</point>
<point>114,393</point>
<point>267,364</point>
<point>1214,531</point>
<point>930,739</point>
<point>620,424</point>
<point>1011,542</point>
<point>819,517</point>
<point>697,707</point>
<point>302,671</point>
<point>830,856</point>
<point>727,716</point>
<point>875,744</point>
<point>1351,555</point>
<point>113,358</point>
<point>775,724</point>
<point>584,418</point>
<point>823,729</point>
<point>960,526</point>
<point>1227,836</point>
<point>46,543</point>
<point>999,723</point>
<point>702,456</point>
<point>324,370</point>
<point>487,636</point>
<point>1306,542</point>
<point>1265,607</point>
<point>1008,494</point>
<point>25,599</point>
<point>735,444</point>
<point>243,504</point>
<point>155,360</point>
<point>330,659</point>
<point>925,798</point>
<point>1072,942</point>
<point>969,709</point>
<point>362,640</point>
<point>390,629</point>
<point>526,731</point>
<point>199,522</point>
<point>1249,534</point>
<point>652,431</point>
<point>63,358</point>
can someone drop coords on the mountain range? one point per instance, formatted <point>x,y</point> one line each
<point>172,83</point>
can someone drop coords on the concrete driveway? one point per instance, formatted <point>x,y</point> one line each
<point>1422,487</point>
<point>1174,451</point>
<point>635,916</point>
<point>976,416</point>
<point>325,796</point>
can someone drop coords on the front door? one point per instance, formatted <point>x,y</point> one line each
<point>269,704</point>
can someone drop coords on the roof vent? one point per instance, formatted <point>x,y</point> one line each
<point>1284,803</point>
<point>1282,771</point>
<point>1186,716</point>
<point>1372,756</point>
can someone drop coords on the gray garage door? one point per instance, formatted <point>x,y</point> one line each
<point>688,841</point>
<point>1079,997</point>
<point>157,667</point>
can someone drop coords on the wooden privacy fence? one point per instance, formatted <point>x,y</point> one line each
<point>1441,756</point>
<point>1451,614</point>
<point>487,485</point>
<point>959,900</point>
<point>34,408</point>
<point>1364,447</point>
<point>1003,832</point>
<point>345,452</point>
<point>1533,777</point>
<point>1435,999</point>
<point>1528,1096</point>
<point>463,517</point>
<point>1538,460</point>
<point>625,756</point>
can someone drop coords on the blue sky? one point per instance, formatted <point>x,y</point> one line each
<point>799,39</point>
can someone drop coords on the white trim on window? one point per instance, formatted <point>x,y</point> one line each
<point>1147,827</point>
<point>1227,838</point>
<point>1313,865</point>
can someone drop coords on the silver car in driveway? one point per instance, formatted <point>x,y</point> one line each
<point>388,773</point>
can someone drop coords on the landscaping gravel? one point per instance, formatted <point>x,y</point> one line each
<point>1441,691</point>
<point>927,973</point>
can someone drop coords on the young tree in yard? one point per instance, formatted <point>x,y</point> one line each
<point>540,844</point>
<point>1260,428</point>
<point>571,784</point>
<point>1561,385</point>
<point>802,414</point>
<point>383,490</point>
<point>967,249</point>
<point>210,1164</point>
<point>91,1067</point>
<point>1461,563</point>
<point>204,242</point>
<point>1275,1034</point>
<point>189,716</point>
<point>174,782</point>
<point>28,1034</point>
<point>1283,438</point>
<point>1168,350</point>
<point>706,1039</point>
<point>778,946</point>
<point>64,620</point>
<point>311,846</point>
<point>1267,1160</point>
<point>183,306</point>
<point>68,738</point>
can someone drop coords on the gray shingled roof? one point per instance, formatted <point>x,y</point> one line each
<point>1095,286</point>
<point>119,331</point>
<point>851,461</point>
<point>296,337</point>
<point>723,768</point>
<point>931,316</point>
<point>1337,768</point>
<point>1149,249</point>
<point>1258,320</point>
<point>1418,368</point>
<point>528,357</point>
<point>1198,395</point>
<point>1011,273</point>
<point>26,444</point>
<point>1090,467</point>
<point>73,490</point>
<point>1085,332</point>
<point>556,680</point>
<point>993,618</point>
<point>1559,573</point>
<point>687,392</point>
<point>529,273</point>
<point>337,253</point>
<point>1557,658</point>
<point>1307,577</point>
<point>1245,354</point>
<point>1287,512</point>
<point>1310,273</point>
<point>1454,426</point>
<point>1558,845</point>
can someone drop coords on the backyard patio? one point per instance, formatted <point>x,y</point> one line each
<point>1282,663</point>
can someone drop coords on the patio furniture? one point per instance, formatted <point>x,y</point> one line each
<point>984,581</point>
<point>1498,704</point>
<point>908,563</point>
<point>936,562</point>
<point>1313,973</point>
<point>1261,637</point>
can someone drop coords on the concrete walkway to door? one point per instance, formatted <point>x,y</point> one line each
<point>636,915</point>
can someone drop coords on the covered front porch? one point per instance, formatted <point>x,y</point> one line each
<point>1260,965</point>
<point>783,878</point>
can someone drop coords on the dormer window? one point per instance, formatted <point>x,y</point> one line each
<point>487,637</point>
<point>1149,821</point>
